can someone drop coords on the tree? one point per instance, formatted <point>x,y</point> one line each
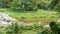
<point>52,4</point>
<point>29,5</point>
<point>8,2</point>
<point>54,27</point>
<point>2,3</point>
<point>15,4</point>
<point>43,4</point>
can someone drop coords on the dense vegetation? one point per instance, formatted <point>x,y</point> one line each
<point>16,28</point>
<point>31,11</point>
<point>30,4</point>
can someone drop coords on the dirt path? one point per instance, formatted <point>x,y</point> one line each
<point>37,20</point>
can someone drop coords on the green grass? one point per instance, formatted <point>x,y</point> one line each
<point>32,16</point>
<point>40,13</point>
<point>32,29</point>
<point>29,32</point>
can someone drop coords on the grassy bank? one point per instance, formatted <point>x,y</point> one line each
<point>43,16</point>
<point>32,16</point>
<point>40,13</point>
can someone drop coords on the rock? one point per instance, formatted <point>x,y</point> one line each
<point>39,23</point>
<point>47,26</point>
<point>27,24</point>
<point>58,20</point>
<point>6,20</point>
<point>6,16</point>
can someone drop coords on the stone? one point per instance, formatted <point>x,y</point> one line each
<point>46,26</point>
<point>6,20</point>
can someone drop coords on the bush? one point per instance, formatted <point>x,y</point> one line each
<point>14,28</point>
<point>2,32</point>
<point>54,27</point>
<point>17,28</point>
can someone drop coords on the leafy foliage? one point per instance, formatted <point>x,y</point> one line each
<point>29,5</point>
<point>54,27</point>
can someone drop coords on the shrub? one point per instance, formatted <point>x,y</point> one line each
<point>54,27</point>
<point>14,28</point>
<point>17,28</point>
